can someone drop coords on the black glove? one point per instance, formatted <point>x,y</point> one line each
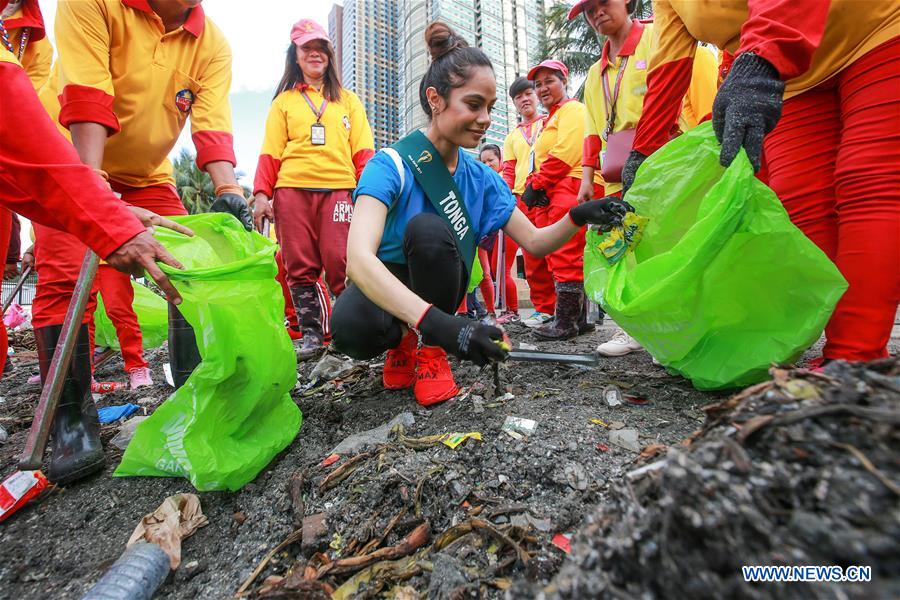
<point>462,337</point>
<point>747,107</point>
<point>630,168</point>
<point>532,197</point>
<point>234,205</point>
<point>605,212</point>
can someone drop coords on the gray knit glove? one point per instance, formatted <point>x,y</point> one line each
<point>630,168</point>
<point>747,107</point>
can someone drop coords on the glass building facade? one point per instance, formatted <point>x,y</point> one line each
<point>506,30</point>
<point>369,37</point>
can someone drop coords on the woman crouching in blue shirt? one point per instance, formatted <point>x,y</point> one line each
<point>421,206</point>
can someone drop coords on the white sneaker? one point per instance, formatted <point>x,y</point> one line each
<point>536,319</point>
<point>620,345</point>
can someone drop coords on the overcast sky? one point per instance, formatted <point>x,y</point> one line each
<point>259,32</point>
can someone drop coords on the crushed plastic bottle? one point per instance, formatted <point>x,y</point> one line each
<point>134,576</point>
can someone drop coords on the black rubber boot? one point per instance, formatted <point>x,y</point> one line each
<point>75,448</point>
<point>309,315</point>
<point>569,307</point>
<point>582,323</point>
<point>183,353</point>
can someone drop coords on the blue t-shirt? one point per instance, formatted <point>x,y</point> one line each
<point>488,198</point>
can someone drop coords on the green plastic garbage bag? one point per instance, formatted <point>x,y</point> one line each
<point>722,284</point>
<point>234,413</point>
<point>152,315</point>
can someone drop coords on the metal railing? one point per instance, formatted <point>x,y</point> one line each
<point>26,294</point>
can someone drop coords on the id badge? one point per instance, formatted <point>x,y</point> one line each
<point>531,161</point>
<point>317,134</point>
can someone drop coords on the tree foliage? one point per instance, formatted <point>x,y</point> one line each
<point>574,42</point>
<point>195,188</point>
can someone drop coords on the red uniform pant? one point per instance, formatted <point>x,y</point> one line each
<point>6,218</point>
<point>118,298</point>
<point>290,313</point>
<point>505,279</point>
<point>58,256</point>
<point>541,289</point>
<point>567,263</point>
<point>834,161</point>
<point>486,285</point>
<point>312,229</point>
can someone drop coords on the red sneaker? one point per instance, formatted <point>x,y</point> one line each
<point>400,364</point>
<point>434,379</point>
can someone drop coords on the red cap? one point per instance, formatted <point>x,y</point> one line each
<point>549,64</point>
<point>577,8</point>
<point>307,30</point>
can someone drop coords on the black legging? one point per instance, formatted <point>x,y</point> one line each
<point>433,270</point>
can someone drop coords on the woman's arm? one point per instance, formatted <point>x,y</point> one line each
<point>367,271</point>
<point>539,242</point>
<point>605,212</point>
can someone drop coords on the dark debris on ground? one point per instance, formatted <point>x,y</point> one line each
<point>800,470</point>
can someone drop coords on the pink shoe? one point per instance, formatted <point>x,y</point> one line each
<point>140,377</point>
<point>508,316</point>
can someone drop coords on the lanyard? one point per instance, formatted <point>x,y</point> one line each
<point>23,41</point>
<point>610,99</point>
<point>316,111</point>
<point>530,140</point>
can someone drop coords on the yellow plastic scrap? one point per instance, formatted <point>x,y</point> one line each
<point>600,423</point>
<point>455,439</point>
<point>336,543</point>
<point>623,238</point>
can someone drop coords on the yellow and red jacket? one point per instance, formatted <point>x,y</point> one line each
<point>288,158</point>
<point>696,106</point>
<point>697,103</point>
<point>517,153</point>
<point>807,41</point>
<point>37,53</point>
<point>119,68</point>
<point>557,150</point>
<point>42,176</point>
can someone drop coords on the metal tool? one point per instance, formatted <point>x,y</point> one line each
<point>33,454</point>
<point>8,302</point>
<point>588,360</point>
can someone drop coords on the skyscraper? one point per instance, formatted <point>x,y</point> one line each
<point>336,33</point>
<point>508,31</point>
<point>367,31</point>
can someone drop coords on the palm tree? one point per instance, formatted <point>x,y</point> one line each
<point>194,186</point>
<point>575,42</point>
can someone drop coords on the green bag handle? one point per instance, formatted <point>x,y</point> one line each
<point>432,175</point>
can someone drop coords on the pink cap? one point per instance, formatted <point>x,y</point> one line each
<point>307,30</point>
<point>549,64</point>
<point>577,8</point>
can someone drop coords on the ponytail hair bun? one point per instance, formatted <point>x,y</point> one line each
<point>441,40</point>
<point>452,59</point>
